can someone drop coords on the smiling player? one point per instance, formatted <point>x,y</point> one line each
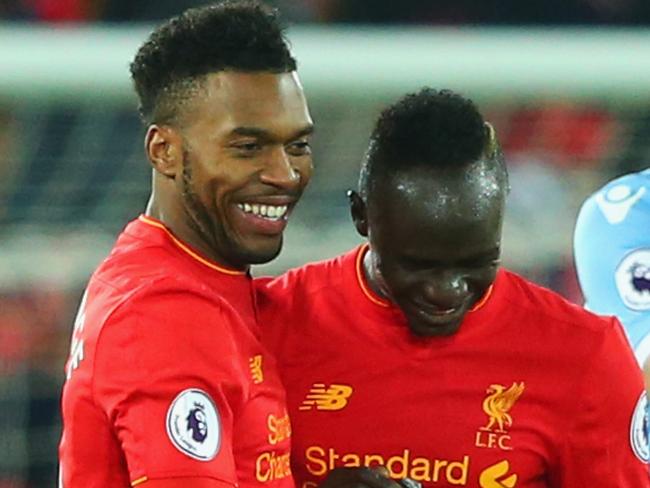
<point>418,352</point>
<point>167,383</point>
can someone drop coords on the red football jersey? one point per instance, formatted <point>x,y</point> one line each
<point>167,377</point>
<point>531,392</point>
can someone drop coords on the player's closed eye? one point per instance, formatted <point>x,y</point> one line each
<point>246,149</point>
<point>299,148</point>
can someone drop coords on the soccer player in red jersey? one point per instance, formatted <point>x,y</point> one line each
<point>167,382</point>
<point>417,351</point>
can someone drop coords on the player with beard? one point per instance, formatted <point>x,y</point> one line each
<point>419,352</point>
<point>167,383</point>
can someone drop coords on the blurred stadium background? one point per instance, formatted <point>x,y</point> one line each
<point>566,83</point>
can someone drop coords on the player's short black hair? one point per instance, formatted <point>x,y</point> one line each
<point>241,35</point>
<point>430,128</point>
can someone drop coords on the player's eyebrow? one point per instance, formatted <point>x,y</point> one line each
<point>265,134</point>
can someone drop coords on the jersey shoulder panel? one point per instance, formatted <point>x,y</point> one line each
<point>549,307</point>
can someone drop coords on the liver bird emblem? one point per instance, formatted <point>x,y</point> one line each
<point>497,404</point>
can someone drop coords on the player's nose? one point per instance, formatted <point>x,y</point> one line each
<point>279,171</point>
<point>445,291</point>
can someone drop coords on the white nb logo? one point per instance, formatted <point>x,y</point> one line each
<point>617,202</point>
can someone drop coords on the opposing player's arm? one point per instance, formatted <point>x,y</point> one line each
<point>606,443</point>
<point>166,378</point>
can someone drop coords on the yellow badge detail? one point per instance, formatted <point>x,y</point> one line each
<point>332,397</point>
<point>498,403</point>
<point>496,476</point>
<point>255,364</point>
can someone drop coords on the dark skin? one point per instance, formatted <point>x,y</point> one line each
<point>240,142</point>
<point>435,241</point>
<point>242,139</point>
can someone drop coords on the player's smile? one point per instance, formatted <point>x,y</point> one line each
<point>430,320</point>
<point>267,215</point>
<point>248,161</point>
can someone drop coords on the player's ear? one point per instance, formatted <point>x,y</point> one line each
<point>359,212</point>
<point>164,148</point>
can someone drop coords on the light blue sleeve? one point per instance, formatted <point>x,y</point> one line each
<point>612,255</point>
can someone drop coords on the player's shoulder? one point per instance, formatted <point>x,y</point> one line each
<point>548,308</point>
<point>126,289</point>
<point>611,203</point>
<point>630,180</point>
<point>164,311</point>
<point>310,278</point>
<point>132,265</point>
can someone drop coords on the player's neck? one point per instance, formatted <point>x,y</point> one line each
<point>371,275</point>
<point>177,222</point>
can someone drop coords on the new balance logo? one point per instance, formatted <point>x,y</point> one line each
<point>497,476</point>
<point>321,397</point>
<point>255,364</point>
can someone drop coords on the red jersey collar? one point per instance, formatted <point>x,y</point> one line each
<point>188,250</point>
<point>382,302</point>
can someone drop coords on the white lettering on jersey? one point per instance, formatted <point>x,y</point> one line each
<point>617,202</point>
<point>77,343</point>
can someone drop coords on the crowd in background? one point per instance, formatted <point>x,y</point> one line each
<point>544,144</point>
<point>500,12</point>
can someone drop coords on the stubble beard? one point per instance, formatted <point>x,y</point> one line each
<point>198,217</point>
<point>200,220</point>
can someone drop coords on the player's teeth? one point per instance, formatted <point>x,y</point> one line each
<point>268,211</point>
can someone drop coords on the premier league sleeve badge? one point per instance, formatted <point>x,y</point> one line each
<point>193,424</point>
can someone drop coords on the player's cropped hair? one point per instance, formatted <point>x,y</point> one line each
<point>241,35</point>
<point>430,128</point>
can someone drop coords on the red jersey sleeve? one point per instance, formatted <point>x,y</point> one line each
<point>168,377</point>
<point>606,445</point>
